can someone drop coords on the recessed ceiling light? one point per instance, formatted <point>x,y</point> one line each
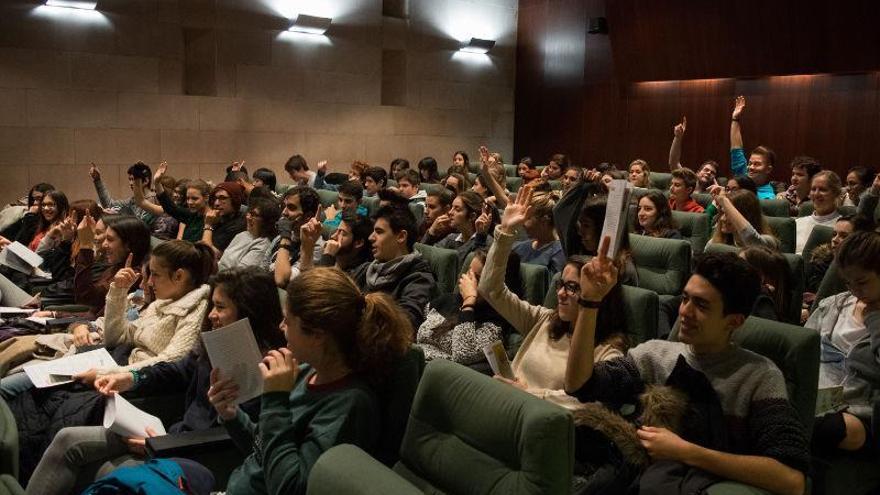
<point>310,24</point>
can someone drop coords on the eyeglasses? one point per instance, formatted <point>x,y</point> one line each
<point>48,206</point>
<point>221,198</point>
<point>571,288</point>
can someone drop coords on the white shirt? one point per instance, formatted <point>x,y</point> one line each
<point>805,227</point>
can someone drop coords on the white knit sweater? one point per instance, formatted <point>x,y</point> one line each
<point>166,331</point>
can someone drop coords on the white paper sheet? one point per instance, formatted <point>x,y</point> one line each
<point>233,349</point>
<point>60,371</point>
<point>619,192</point>
<point>498,361</point>
<point>14,311</point>
<point>31,258</point>
<point>13,295</point>
<point>126,420</point>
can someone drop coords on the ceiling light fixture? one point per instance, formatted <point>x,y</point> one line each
<point>310,24</point>
<point>73,4</point>
<point>477,45</point>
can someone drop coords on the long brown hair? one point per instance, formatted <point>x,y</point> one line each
<point>370,331</point>
<point>197,259</point>
<point>748,205</point>
<point>773,268</point>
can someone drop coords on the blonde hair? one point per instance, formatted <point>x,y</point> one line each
<point>370,331</point>
<point>542,204</point>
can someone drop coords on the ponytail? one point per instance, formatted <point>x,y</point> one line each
<point>384,333</point>
<point>197,259</point>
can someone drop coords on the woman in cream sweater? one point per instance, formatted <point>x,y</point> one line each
<point>539,366</point>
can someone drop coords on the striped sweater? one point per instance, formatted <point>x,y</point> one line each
<point>757,417</point>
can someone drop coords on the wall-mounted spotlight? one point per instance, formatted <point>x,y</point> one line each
<point>476,45</point>
<point>310,24</point>
<point>73,4</point>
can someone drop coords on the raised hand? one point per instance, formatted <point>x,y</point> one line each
<point>680,127</point>
<point>738,107</point>
<point>517,210</point>
<point>160,171</point>
<point>598,275</point>
<point>484,221</point>
<point>115,383</point>
<point>310,232</point>
<point>85,231</point>
<point>222,394</point>
<point>279,370</point>
<point>94,173</point>
<point>322,167</point>
<point>236,166</point>
<point>126,277</point>
<point>67,227</point>
<point>484,154</point>
<point>212,217</point>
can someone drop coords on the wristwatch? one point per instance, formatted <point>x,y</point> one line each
<point>589,304</point>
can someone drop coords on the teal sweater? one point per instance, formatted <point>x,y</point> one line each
<point>295,429</point>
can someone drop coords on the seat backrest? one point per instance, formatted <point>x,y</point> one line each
<point>663,265</point>
<point>555,185</point>
<point>444,264</point>
<point>514,183</point>
<point>396,396</point>
<point>821,234</point>
<point>775,207</point>
<point>327,197</point>
<point>510,170</point>
<point>371,204</point>
<point>429,187</point>
<point>660,180</point>
<point>641,307</point>
<point>535,280</point>
<point>694,228</point>
<point>8,441</point>
<point>280,188</point>
<point>785,231</point>
<point>468,433</point>
<point>794,350</point>
<point>806,208</point>
<point>418,211</point>
<point>703,199</point>
<point>832,283</point>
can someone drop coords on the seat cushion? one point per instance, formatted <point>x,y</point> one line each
<point>444,264</point>
<point>663,265</point>
<point>785,231</point>
<point>694,228</point>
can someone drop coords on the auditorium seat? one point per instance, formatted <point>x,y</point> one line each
<point>694,228</point>
<point>327,197</point>
<point>9,486</point>
<point>661,180</point>
<point>514,183</point>
<point>663,265</point>
<point>821,234</point>
<point>467,433</point>
<point>775,207</point>
<point>806,208</point>
<point>444,264</point>
<point>510,170</point>
<point>785,230</point>
<point>8,441</point>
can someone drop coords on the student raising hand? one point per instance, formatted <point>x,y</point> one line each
<point>599,275</point>
<point>126,277</point>
<point>516,211</point>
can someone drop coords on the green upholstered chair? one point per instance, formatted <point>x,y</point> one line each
<point>775,207</point>
<point>555,185</point>
<point>371,204</point>
<point>702,198</point>
<point>430,187</point>
<point>785,231</point>
<point>663,265</point>
<point>467,433</point>
<point>535,280</point>
<point>392,183</point>
<point>514,183</point>
<point>280,188</point>
<point>661,180</point>
<point>832,283</point>
<point>9,486</point>
<point>327,197</point>
<point>821,234</point>
<point>694,228</point>
<point>806,208</point>
<point>444,264</point>
<point>418,211</point>
<point>8,441</point>
<point>510,170</point>
<point>641,307</point>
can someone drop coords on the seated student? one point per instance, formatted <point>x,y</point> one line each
<point>168,328</point>
<point>849,325</point>
<point>741,221</point>
<point>347,249</point>
<point>437,203</point>
<point>79,455</point>
<point>300,204</point>
<point>12,215</point>
<point>398,165</point>
<point>192,215</point>
<point>755,436</point>
<point>298,170</point>
<point>139,170</point>
<point>456,182</point>
<point>775,282</point>
<point>555,167</point>
<point>251,247</point>
<point>470,223</point>
<point>858,180</point>
<point>165,227</point>
<point>655,217</point>
<point>682,185</point>
<point>458,326</point>
<point>375,178</point>
<point>823,255</point>
<point>869,199</point>
<point>760,164</point>
<point>539,365</point>
<point>408,186</point>
<point>609,175</point>
<point>491,182</point>
<point>224,220</point>
<point>348,200</point>
<point>428,170</point>
<point>803,168</point>
<point>707,172</point>
<point>570,177</point>
<point>332,181</point>
<point>40,218</point>
<point>527,170</point>
<point>825,194</point>
<point>461,164</point>
<point>265,177</point>
<point>640,174</point>
<point>349,341</point>
<point>395,268</point>
<point>542,246</point>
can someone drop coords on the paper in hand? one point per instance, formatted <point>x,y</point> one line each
<point>497,357</point>
<point>126,420</point>
<point>619,192</point>
<point>233,350</point>
<point>60,371</point>
<point>12,294</point>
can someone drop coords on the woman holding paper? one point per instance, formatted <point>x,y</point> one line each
<point>539,365</point>
<point>349,341</point>
<point>79,455</point>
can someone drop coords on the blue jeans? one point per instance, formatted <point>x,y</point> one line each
<point>14,385</point>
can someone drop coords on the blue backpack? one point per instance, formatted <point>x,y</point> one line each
<point>154,477</point>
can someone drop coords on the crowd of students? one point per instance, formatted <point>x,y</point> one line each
<point>179,257</point>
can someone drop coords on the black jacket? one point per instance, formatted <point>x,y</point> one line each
<point>412,288</point>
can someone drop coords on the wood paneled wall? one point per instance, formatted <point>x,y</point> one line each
<point>587,95</point>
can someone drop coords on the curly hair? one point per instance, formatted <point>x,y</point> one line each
<point>370,331</point>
